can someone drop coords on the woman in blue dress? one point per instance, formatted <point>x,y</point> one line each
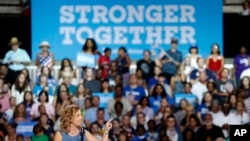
<point>71,125</point>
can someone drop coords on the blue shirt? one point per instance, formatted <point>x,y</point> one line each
<point>67,137</point>
<point>210,75</point>
<point>72,89</point>
<point>139,138</point>
<point>155,102</point>
<point>134,94</point>
<point>152,81</point>
<point>170,67</point>
<point>19,55</point>
<point>38,88</point>
<point>90,115</point>
<point>203,109</point>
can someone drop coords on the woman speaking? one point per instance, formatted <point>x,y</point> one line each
<point>71,127</point>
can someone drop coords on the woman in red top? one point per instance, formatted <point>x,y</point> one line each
<point>215,62</point>
<point>104,63</point>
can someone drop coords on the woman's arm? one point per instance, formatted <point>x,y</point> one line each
<point>128,61</point>
<point>222,64</point>
<point>37,60</point>
<point>58,136</point>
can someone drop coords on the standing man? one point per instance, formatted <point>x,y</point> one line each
<point>16,58</point>
<point>171,60</point>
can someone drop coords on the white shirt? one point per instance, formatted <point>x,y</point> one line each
<point>243,119</point>
<point>19,96</point>
<point>214,115</point>
<point>221,119</point>
<point>9,113</point>
<point>133,122</point>
<point>199,89</point>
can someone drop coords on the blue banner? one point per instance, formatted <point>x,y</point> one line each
<point>85,60</point>
<point>104,98</point>
<point>25,128</point>
<point>189,97</point>
<point>134,24</point>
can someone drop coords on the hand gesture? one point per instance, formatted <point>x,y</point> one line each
<point>108,126</point>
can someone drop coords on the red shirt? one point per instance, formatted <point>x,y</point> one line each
<point>105,63</point>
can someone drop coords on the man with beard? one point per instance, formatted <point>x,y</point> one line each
<point>209,130</point>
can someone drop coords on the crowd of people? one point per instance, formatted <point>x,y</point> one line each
<point>144,106</point>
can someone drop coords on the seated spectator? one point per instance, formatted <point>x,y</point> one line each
<point>189,111</point>
<point>225,119</point>
<point>177,81</point>
<point>215,108</point>
<point>133,91</point>
<point>26,73</point>
<point>80,96</point>
<point>172,132</point>
<point>100,118</point>
<point>241,63</point>
<point>242,116</point>
<point>189,135</point>
<point>68,71</point>
<point>200,87</point>
<point>118,110</point>
<point>4,97</point>
<point>104,63</point>
<point>187,68</point>
<point>139,118</point>
<point>152,131</point>
<point>90,82</point>
<point>113,71</point>
<point>9,112</point>
<point>43,99</point>
<point>158,94</point>
<point>11,129</point>
<point>232,99</point>
<point>20,86</point>
<point>42,111</point>
<point>20,114</point>
<point>51,80</point>
<point>154,79</point>
<point>67,82</point>
<point>209,130</point>
<point>28,102</point>
<point>48,128</point>
<point>118,97</point>
<point>39,135</point>
<point>5,74</point>
<point>146,65</point>
<point>163,105</point>
<point>105,88</point>
<point>95,131</point>
<point>42,85</point>
<point>146,109</point>
<point>123,137</point>
<point>205,106</point>
<point>194,76</point>
<point>246,8</point>
<point>116,130</point>
<point>193,124</point>
<point>225,86</point>
<point>45,58</point>
<point>90,115</point>
<point>142,83</point>
<point>126,126</point>
<point>141,133</point>
<point>181,112</point>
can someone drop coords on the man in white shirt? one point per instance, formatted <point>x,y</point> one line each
<point>225,119</point>
<point>16,58</point>
<point>200,87</point>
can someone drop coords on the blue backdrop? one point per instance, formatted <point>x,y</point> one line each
<point>135,24</point>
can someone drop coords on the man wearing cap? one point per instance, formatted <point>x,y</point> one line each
<point>16,58</point>
<point>171,60</point>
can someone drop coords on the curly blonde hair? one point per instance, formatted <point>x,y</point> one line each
<point>67,116</point>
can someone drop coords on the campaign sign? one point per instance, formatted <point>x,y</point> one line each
<point>189,97</point>
<point>85,60</point>
<point>134,24</point>
<point>104,98</point>
<point>239,132</point>
<point>25,128</point>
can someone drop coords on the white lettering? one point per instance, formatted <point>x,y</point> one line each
<point>187,34</point>
<point>170,32</point>
<point>187,14</point>
<point>100,14</point>
<point>156,14</point>
<point>83,10</point>
<point>103,35</point>
<point>170,15</point>
<point>135,14</point>
<point>113,16</point>
<point>136,31</point>
<point>154,34</point>
<point>240,132</point>
<point>119,32</point>
<point>82,30</point>
<point>66,14</point>
<point>67,32</point>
